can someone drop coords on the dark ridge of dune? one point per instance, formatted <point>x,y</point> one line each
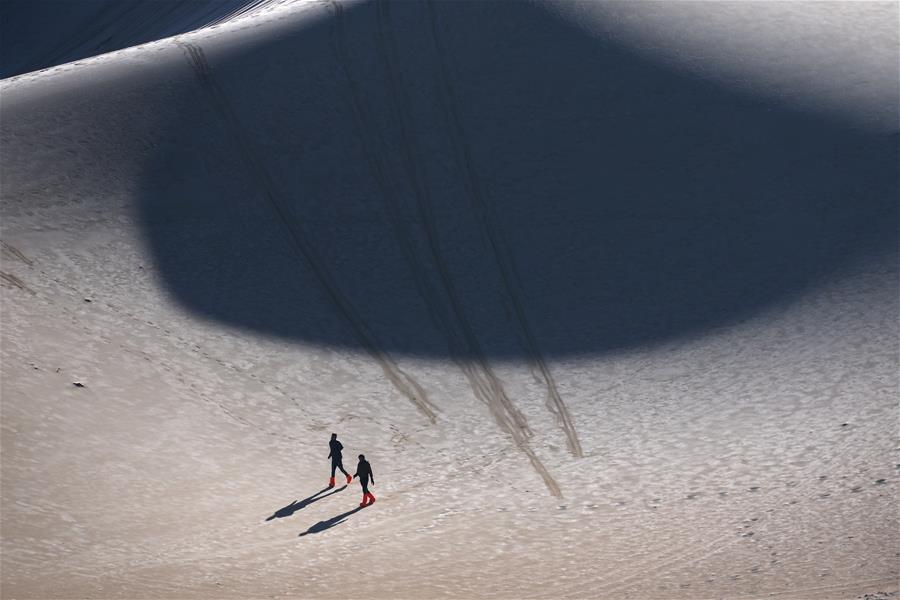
<point>37,34</point>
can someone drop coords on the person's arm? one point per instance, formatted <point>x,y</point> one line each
<point>371,475</point>
<point>329,451</point>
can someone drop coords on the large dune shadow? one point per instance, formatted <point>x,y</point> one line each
<point>431,173</point>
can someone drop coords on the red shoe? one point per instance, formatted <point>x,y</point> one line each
<point>371,498</point>
<point>349,479</point>
<point>331,482</point>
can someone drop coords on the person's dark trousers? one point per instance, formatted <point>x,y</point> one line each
<point>368,497</point>
<point>336,464</point>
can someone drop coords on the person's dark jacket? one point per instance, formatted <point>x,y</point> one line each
<point>364,471</point>
<point>336,448</point>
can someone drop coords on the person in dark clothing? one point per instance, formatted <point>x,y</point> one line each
<point>364,472</point>
<point>337,461</point>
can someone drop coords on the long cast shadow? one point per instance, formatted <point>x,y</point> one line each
<point>296,505</point>
<point>323,525</point>
<point>486,168</point>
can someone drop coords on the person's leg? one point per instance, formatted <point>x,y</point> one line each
<point>346,474</point>
<point>365,487</point>
<point>368,497</point>
<point>333,467</point>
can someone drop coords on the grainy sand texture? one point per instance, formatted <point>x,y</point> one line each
<point>607,294</point>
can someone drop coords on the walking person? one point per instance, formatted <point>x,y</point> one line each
<point>336,459</point>
<point>364,472</point>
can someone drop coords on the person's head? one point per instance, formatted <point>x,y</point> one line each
<point>334,436</point>
<point>362,457</point>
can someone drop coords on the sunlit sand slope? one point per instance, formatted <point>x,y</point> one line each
<point>609,316</point>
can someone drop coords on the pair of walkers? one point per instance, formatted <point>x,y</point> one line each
<point>363,470</point>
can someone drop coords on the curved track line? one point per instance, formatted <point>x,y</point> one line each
<point>454,325</point>
<point>836,587</point>
<point>403,382</point>
<point>16,253</point>
<point>492,232</point>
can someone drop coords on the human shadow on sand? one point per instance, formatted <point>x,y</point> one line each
<point>328,524</point>
<point>300,504</point>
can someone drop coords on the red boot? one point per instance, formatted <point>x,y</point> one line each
<point>363,503</point>
<point>349,479</point>
<point>331,482</point>
<point>371,498</point>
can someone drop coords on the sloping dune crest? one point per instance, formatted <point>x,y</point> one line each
<point>35,35</point>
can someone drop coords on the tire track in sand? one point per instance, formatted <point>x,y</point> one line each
<point>15,281</point>
<point>458,331</point>
<point>492,232</point>
<point>16,253</point>
<point>403,382</point>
